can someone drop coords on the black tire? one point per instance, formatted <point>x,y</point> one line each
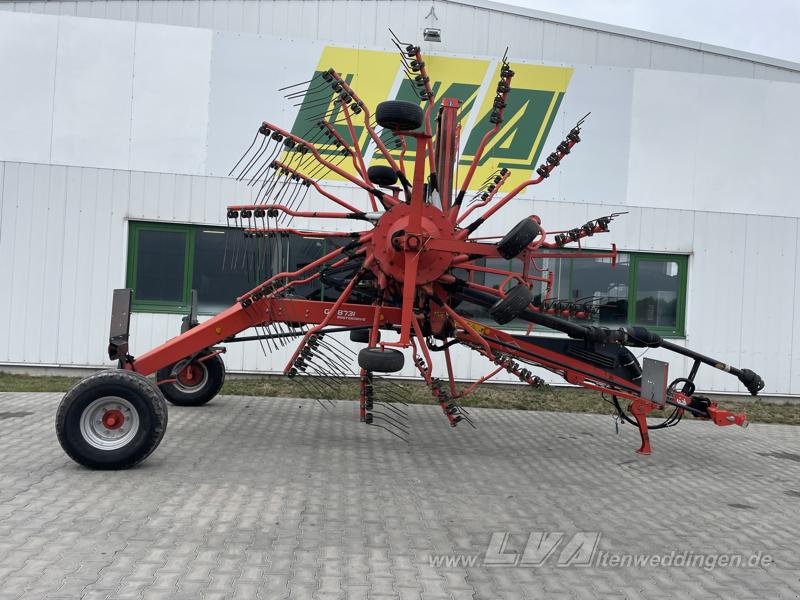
<point>516,300</point>
<point>361,336</point>
<point>399,115</point>
<point>381,361</point>
<point>382,176</point>
<point>92,418</point>
<point>516,240</point>
<point>210,374</point>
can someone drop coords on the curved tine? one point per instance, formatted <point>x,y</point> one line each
<point>394,409</point>
<point>286,87</point>
<point>263,167</point>
<point>401,426</point>
<point>261,148</point>
<point>378,425</point>
<point>250,147</point>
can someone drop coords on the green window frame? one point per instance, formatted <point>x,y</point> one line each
<point>288,256</point>
<point>635,262</point>
<point>154,306</point>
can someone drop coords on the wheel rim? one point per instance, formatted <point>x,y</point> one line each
<point>192,377</point>
<point>109,423</point>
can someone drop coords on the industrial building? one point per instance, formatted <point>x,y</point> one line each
<point>120,121</point>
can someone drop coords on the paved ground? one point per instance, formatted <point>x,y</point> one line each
<point>252,498</point>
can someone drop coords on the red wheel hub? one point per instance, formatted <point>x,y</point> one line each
<point>189,375</point>
<point>113,419</point>
<point>392,240</point>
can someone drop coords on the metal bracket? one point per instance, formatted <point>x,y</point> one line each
<point>120,324</point>
<point>654,381</point>
<point>190,320</point>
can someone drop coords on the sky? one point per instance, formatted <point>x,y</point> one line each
<point>767,27</point>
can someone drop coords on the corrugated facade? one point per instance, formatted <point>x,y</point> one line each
<point>687,186</point>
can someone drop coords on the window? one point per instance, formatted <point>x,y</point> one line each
<point>167,261</point>
<point>642,289</point>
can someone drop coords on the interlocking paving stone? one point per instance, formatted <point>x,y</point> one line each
<point>279,498</point>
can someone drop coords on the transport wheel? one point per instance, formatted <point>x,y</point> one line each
<point>111,420</point>
<point>516,240</point>
<point>382,176</point>
<point>399,115</point>
<point>197,381</point>
<point>361,336</point>
<point>516,300</point>
<point>381,361</point>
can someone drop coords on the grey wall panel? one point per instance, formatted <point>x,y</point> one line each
<point>724,65</point>
<point>675,58</point>
<point>623,51</point>
<point>775,74</point>
<point>27,113</point>
<point>343,21</point>
<point>92,105</point>
<point>170,89</point>
<point>564,44</point>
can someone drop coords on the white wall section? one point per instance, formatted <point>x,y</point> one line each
<point>113,110</point>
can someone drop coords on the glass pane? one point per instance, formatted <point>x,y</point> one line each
<point>303,251</point>
<point>160,265</point>
<point>225,266</point>
<point>595,282</point>
<point>657,288</point>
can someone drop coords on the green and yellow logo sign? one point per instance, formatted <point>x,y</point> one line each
<point>536,94</point>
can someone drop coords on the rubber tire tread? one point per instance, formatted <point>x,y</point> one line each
<point>381,175</point>
<point>399,115</point>
<point>135,388</point>
<point>216,378</point>
<point>506,309</point>
<point>378,361</point>
<point>516,240</point>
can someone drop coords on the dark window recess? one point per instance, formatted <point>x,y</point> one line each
<point>167,261</point>
<point>160,265</point>
<point>642,289</point>
<point>302,252</point>
<point>222,269</point>
<point>657,293</point>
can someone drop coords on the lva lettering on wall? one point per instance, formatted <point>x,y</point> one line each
<point>533,104</point>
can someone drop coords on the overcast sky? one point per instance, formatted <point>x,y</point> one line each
<point>768,27</point>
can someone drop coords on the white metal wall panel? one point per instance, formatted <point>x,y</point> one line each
<point>665,127</point>
<point>717,286</point>
<point>170,90</point>
<point>597,170</point>
<point>8,255</point>
<point>28,46</point>
<point>766,326</point>
<point>92,106</point>
<point>55,283</point>
<point>775,153</point>
<point>726,144</point>
<point>245,91</point>
<point>695,143</point>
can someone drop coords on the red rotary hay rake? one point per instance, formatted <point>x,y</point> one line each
<point>399,285</point>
